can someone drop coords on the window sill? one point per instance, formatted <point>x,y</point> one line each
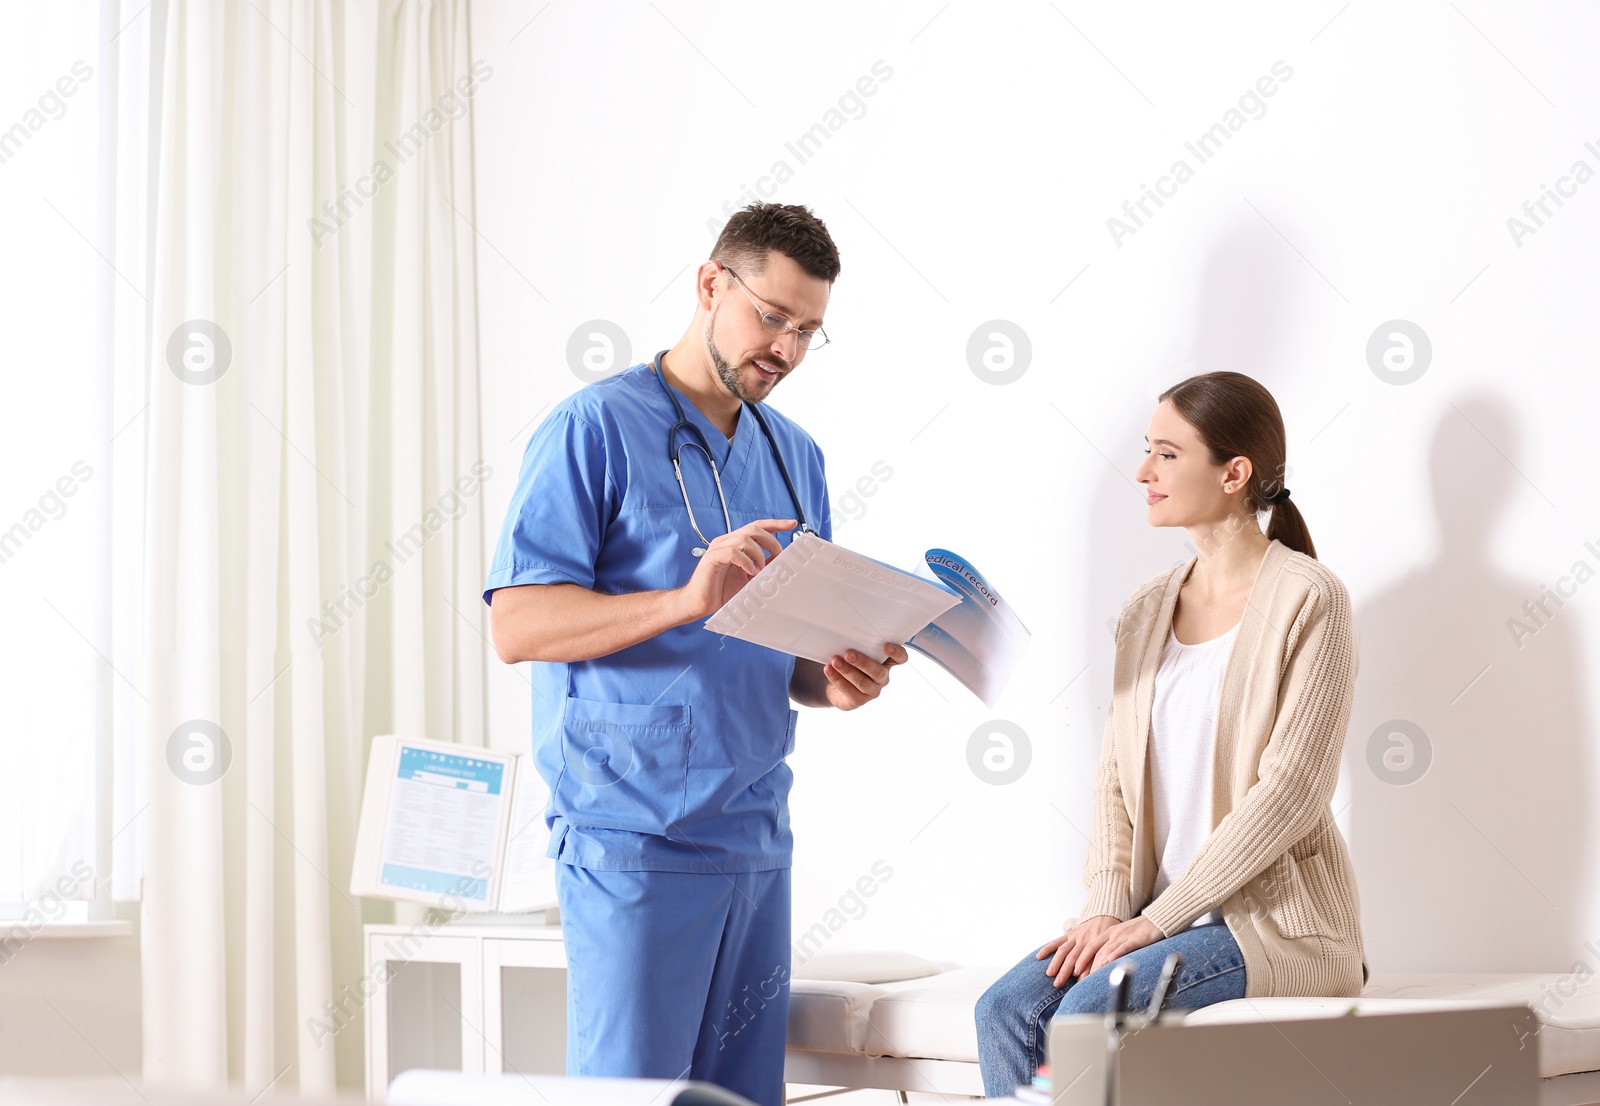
<point>112,927</point>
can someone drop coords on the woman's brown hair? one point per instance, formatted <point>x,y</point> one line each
<point>1237,417</point>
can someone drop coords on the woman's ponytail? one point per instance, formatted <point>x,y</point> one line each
<point>1287,526</point>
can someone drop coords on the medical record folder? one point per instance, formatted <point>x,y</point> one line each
<point>816,600</point>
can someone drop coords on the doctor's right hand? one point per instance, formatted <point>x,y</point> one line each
<point>1072,954</point>
<point>728,564</point>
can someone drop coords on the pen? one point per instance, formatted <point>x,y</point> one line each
<point>1120,978</point>
<point>1163,991</point>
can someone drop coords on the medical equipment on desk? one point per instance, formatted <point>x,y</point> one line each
<point>1258,1057</point>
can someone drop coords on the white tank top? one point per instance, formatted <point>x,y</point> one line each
<point>1183,721</point>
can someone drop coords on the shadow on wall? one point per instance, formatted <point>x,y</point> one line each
<point>1470,797</point>
<point>1250,317</point>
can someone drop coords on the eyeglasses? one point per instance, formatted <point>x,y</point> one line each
<point>775,324</point>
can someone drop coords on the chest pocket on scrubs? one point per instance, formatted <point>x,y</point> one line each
<point>624,765</point>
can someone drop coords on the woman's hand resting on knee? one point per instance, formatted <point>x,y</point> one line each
<point>1094,943</point>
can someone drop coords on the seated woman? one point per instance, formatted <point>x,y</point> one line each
<point>1233,679</point>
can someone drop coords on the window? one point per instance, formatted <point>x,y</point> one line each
<point>55,449</point>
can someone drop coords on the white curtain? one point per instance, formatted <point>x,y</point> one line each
<point>311,494</point>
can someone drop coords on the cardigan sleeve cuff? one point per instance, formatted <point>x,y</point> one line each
<point>1170,915</point>
<point>1108,896</point>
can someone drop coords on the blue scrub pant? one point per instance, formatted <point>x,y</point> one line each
<point>678,975</point>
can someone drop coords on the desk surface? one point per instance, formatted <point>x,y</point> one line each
<point>510,931</point>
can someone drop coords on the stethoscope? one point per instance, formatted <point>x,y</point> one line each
<point>697,440</point>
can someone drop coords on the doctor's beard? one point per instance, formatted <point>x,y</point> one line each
<point>728,372</point>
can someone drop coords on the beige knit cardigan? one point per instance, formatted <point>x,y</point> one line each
<point>1274,862</point>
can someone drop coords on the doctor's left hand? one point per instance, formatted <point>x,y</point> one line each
<point>855,678</point>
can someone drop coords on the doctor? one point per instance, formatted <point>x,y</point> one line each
<point>644,503</point>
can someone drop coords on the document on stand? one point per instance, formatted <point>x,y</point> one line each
<point>817,599</point>
<point>453,826</point>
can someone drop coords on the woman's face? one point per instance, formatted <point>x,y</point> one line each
<point>1182,485</point>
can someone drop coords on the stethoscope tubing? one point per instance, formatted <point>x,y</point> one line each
<point>698,441</point>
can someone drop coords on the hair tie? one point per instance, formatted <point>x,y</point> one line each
<point>1281,496</point>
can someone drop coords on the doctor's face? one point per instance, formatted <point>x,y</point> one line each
<point>1183,485</point>
<point>748,359</point>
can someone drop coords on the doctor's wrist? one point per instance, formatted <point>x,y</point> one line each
<point>679,606</point>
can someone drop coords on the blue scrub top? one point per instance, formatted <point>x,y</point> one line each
<point>668,755</point>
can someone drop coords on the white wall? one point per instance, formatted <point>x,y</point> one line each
<point>977,185</point>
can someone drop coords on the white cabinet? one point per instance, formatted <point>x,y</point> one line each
<point>486,998</point>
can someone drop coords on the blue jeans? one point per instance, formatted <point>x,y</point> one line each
<point>1014,1014</point>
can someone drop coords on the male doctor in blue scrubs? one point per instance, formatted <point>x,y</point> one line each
<point>664,744</point>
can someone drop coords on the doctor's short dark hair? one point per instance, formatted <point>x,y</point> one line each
<point>788,228</point>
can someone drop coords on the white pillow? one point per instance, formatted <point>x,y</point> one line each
<point>865,967</point>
